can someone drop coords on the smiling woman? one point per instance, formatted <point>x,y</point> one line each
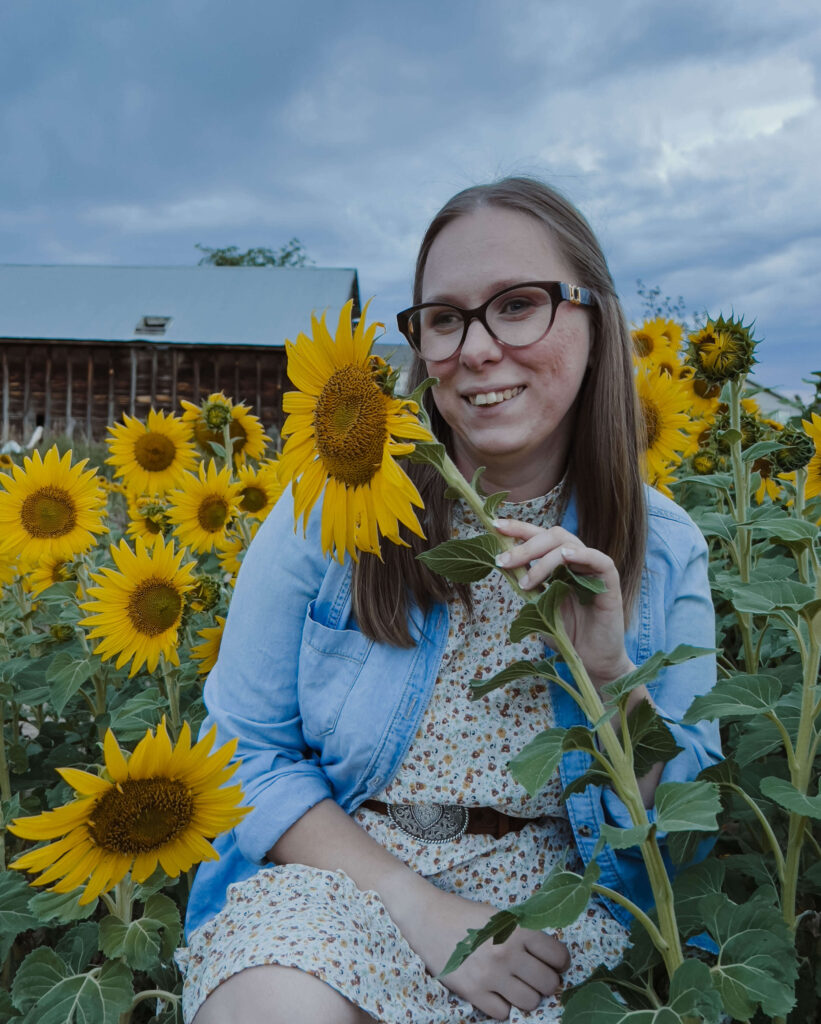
<point>386,822</point>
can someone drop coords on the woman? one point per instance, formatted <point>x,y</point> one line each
<point>359,869</point>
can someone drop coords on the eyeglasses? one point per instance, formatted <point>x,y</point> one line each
<point>517,316</point>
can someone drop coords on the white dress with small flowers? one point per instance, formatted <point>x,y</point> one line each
<point>318,921</point>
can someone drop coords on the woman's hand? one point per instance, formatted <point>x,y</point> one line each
<point>596,629</point>
<point>519,972</point>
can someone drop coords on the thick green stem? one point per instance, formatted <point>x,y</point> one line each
<point>649,925</point>
<point>803,557</point>
<point>741,512</point>
<point>801,775</point>
<point>5,780</point>
<point>766,828</point>
<point>173,695</point>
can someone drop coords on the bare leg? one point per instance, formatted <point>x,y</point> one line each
<point>271,994</point>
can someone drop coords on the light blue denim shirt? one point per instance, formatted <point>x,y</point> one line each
<point>322,711</point>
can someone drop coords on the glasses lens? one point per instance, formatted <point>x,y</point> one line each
<point>436,330</point>
<point>521,315</point>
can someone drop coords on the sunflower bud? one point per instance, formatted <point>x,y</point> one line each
<point>797,451</point>
<point>60,631</point>
<point>216,411</point>
<point>722,350</point>
<point>204,595</point>
<point>705,462</point>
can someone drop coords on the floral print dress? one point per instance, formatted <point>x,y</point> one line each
<point>320,922</point>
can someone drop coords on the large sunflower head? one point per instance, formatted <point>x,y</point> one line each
<point>45,573</point>
<point>137,609</point>
<point>260,488</point>
<point>341,439</point>
<point>203,508</point>
<point>813,429</point>
<point>798,447</point>
<point>150,457</point>
<point>159,805</point>
<point>668,428</point>
<point>49,508</point>
<point>208,420</point>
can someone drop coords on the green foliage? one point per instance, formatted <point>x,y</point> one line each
<point>292,254</point>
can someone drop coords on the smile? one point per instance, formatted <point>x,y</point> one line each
<point>494,397</point>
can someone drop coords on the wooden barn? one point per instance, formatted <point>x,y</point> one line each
<point>81,345</point>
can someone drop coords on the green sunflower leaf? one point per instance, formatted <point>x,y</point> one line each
<point>138,942</point>
<point>500,927</point>
<point>463,561</point>
<point>791,799</point>
<point>685,806</point>
<point>535,764</point>
<point>651,739</point>
<point>15,915</point>
<point>516,670</point>
<point>62,907</point>
<point>648,670</point>
<point>65,676</point>
<point>738,696</point>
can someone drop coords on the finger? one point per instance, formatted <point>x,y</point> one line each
<point>539,975</point>
<point>524,531</point>
<point>521,995</point>
<point>494,1005</point>
<point>548,949</point>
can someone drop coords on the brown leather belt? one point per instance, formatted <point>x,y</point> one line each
<point>419,819</point>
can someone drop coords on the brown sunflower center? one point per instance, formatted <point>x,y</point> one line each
<point>140,815</point>
<point>154,452</point>
<point>253,499</point>
<point>642,343</point>
<point>48,512</point>
<point>652,421</point>
<point>154,607</point>
<point>350,421</point>
<point>150,526</point>
<point>212,513</point>
<point>205,435</point>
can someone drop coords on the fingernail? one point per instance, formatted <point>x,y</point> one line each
<point>568,552</point>
<point>524,582</point>
<point>503,558</point>
<point>498,522</point>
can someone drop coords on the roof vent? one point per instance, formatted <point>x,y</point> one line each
<point>153,325</point>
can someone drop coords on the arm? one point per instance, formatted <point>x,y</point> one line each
<point>518,972</point>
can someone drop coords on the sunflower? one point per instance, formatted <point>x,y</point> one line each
<point>722,350</point>
<point>148,517</point>
<point>340,429</point>
<point>150,457</point>
<point>656,343</point>
<point>230,556</point>
<point>260,488</point>
<point>159,805</point>
<point>9,568</point>
<point>202,509</point>
<point>137,610</point>
<point>50,508</point>
<point>813,429</point>
<point>44,574</point>
<point>661,480</point>
<point>768,486</point>
<point>206,653</point>
<point>207,422</point>
<point>6,461</point>
<point>669,430</point>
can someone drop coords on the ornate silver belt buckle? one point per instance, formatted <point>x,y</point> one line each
<point>430,823</point>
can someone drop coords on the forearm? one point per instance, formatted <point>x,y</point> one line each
<point>326,837</point>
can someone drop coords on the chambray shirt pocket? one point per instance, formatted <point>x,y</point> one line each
<point>330,661</point>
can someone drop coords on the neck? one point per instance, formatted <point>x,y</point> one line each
<point>505,474</point>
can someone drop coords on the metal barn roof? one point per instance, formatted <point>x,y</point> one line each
<point>170,305</point>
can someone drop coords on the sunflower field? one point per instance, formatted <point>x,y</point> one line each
<point>116,581</point>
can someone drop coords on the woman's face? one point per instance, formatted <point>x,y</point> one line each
<point>522,440</point>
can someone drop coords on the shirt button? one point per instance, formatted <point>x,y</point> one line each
<point>585,831</point>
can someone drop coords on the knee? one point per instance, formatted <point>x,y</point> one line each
<point>277,995</point>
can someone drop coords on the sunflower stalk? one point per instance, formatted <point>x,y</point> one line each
<point>619,759</point>
<point>172,693</point>
<point>741,513</point>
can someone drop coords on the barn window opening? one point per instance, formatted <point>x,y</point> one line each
<point>153,325</point>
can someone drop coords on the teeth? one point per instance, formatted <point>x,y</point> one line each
<point>494,397</point>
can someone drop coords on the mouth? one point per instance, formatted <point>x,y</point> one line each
<point>493,397</point>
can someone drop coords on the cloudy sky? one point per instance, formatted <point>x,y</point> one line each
<point>689,133</point>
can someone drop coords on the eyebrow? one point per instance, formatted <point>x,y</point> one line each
<point>499,286</point>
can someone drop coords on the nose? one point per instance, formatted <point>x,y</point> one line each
<point>479,346</point>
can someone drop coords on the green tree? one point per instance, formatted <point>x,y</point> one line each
<point>292,254</point>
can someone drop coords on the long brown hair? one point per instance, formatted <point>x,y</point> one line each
<point>603,461</point>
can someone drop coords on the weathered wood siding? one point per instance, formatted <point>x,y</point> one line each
<point>78,389</point>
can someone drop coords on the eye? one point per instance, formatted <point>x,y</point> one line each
<point>520,303</point>
<point>442,319</point>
